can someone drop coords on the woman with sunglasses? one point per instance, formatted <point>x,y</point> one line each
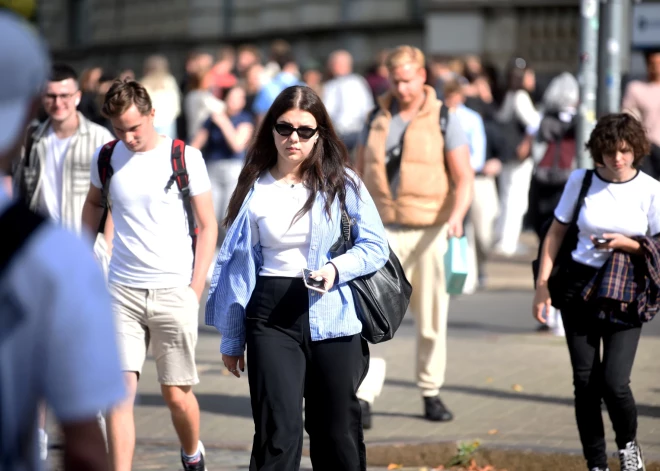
<point>284,217</point>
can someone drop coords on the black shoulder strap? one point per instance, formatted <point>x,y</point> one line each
<point>444,119</point>
<point>105,174</point>
<point>29,142</point>
<point>584,189</point>
<point>180,176</point>
<point>17,224</point>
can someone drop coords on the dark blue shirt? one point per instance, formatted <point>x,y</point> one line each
<point>217,147</point>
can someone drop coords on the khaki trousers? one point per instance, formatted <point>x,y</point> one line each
<point>421,252</point>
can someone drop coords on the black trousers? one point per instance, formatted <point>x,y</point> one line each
<point>597,378</point>
<point>285,366</point>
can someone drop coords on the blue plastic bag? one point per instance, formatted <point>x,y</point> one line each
<point>456,264</point>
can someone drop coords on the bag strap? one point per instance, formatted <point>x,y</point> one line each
<point>17,224</point>
<point>586,183</point>
<point>105,174</point>
<point>180,176</point>
<point>444,119</point>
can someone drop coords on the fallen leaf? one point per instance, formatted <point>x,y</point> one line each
<point>394,466</point>
<point>517,388</point>
<point>493,432</point>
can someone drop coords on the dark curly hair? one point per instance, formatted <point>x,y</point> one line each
<point>620,131</point>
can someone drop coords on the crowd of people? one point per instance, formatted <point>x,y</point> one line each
<point>251,163</point>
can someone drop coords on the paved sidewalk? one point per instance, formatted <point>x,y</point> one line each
<point>507,385</point>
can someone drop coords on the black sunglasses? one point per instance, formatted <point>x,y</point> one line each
<point>304,132</point>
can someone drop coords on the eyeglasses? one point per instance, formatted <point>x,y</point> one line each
<point>304,132</point>
<point>62,97</point>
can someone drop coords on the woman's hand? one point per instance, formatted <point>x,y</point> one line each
<point>233,364</point>
<point>329,275</point>
<point>541,301</point>
<point>617,242</point>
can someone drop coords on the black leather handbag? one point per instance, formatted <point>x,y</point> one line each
<point>381,298</point>
<point>563,259</point>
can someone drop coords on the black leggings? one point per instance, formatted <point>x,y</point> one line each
<point>595,378</point>
<point>284,365</point>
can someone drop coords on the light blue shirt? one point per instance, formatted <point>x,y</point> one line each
<point>271,90</point>
<point>330,315</point>
<point>473,125</point>
<point>62,347</point>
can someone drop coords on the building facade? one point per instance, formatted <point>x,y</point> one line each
<point>121,33</point>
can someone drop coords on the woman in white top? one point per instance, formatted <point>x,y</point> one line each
<point>285,216</point>
<point>621,204</point>
<point>518,120</point>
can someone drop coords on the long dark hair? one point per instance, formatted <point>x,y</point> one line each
<point>325,170</point>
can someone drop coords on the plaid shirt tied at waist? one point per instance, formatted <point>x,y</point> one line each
<point>628,285</point>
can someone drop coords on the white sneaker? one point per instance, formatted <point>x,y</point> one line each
<point>43,445</point>
<point>631,458</point>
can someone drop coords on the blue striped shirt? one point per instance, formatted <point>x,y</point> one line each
<point>330,315</point>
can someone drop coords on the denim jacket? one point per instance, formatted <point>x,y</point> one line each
<point>330,315</point>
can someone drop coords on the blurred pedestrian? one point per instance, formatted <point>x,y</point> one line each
<point>642,99</point>
<point>347,98</point>
<point>288,76</point>
<point>54,306</point>
<point>313,76</point>
<point>223,139</point>
<point>285,216</point>
<point>164,93</point>
<point>278,49</point>
<point>422,183</point>
<point>480,223</point>
<point>89,84</point>
<point>253,83</point>
<point>199,103</point>
<point>247,56</point>
<point>615,261</point>
<point>378,76</point>
<point>518,122</point>
<point>221,76</point>
<point>157,273</point>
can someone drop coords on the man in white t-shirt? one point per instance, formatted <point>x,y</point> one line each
<point>155,288</point>
<point>55,311</point>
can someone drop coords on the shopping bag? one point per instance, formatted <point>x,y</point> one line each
<point>456,264</point>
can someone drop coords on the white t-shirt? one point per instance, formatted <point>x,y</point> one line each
<point>631,208</point>
<point>284,246</point>
<point>152,248</point>
<point>63,348</point>
<point>50,202</point>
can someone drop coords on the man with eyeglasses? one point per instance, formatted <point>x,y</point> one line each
<point>52,176</point>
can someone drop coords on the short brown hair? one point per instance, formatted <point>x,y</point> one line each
<point>451,87</point>
<point>615,132</point>
<point>403,55</point>
<point>122,95</point>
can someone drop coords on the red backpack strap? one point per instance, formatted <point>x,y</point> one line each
<point>105,173</point>
<point>180,176</point>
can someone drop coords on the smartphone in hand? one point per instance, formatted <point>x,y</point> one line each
<point>315,284</point>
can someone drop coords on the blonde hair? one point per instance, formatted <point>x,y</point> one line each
<point>404,55</point>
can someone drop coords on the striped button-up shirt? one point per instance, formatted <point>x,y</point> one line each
<point>330,315</point>
<point>627,288</point>
<point>28,175</point>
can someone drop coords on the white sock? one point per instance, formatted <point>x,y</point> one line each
<point>195,456</point>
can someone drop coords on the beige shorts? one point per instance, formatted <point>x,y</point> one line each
<point>166,318</point>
